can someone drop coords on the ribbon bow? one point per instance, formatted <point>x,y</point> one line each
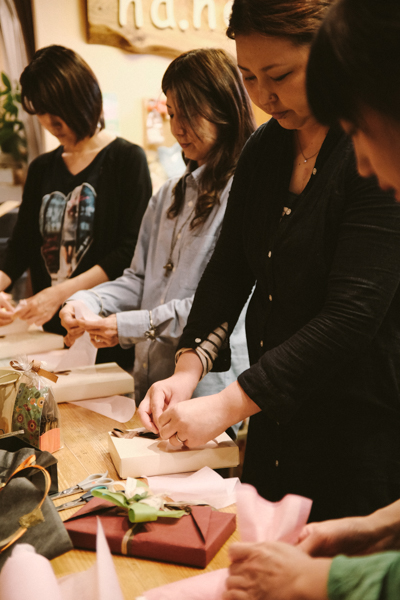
<point>34,366</point>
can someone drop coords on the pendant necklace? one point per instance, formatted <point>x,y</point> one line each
<point>302,153</point>
<point>169,266</point>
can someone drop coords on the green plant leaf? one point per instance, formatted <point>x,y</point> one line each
<point>6,81</point>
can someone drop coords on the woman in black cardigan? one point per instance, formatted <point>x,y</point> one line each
<point>322,246</point>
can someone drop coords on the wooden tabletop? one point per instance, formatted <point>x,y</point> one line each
<point>84,452</point>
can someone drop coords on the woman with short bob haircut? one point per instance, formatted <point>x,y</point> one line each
<point>211,118</point>
<point>322,247</point>
<point>82,202</point>
<point>60,82</point>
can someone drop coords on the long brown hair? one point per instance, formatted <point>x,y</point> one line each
<point>59,82</point>
<point>206,83</point>
<point>297,20</point>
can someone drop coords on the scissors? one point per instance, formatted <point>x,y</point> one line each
<point>82,500</point>
<point>94,480</point>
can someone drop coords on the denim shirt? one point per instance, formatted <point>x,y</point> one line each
<point>146,287</point>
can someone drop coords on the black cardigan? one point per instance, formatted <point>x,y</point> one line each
<point>323,325</point>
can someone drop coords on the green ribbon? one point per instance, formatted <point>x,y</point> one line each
<point>138,511</point>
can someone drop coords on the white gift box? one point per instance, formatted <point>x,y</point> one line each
<point>142,457</point>
<point>97,381</point>
<point>28,342</point>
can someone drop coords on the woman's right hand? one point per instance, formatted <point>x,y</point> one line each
<point>170,391</point>
<point>352,536</point>
<point>7,311</point>
<point>70,323</point>
<point>163,394</point>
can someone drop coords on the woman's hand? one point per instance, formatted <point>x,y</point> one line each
<point>164,394</point>
<point>194,422</point>
<point>200,420</point>
<point>70,323</point>
<point>40,308</point>
<point>168,392</point>
<point>275,571</point>
<point>354,535</point>
<point>7,311</point>
<point>103,332</point>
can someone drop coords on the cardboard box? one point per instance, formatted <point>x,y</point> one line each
<point>97,381</point>
<point>192,540</point>
<point>28,342</point>
<point>143,457</point>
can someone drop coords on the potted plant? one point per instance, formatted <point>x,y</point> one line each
<point>12,132</point>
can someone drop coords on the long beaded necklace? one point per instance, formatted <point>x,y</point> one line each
<point>169,266</point>
<point>301,150</point>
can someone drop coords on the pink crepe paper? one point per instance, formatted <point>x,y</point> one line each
<point>258,520</point>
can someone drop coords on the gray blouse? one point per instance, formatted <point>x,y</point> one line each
<point>152,304</point>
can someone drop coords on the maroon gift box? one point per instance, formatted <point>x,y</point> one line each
<point>192,540</point>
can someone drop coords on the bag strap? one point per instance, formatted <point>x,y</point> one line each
<point>35,516</point>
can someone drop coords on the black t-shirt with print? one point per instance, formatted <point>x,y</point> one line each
<point>66,218</point>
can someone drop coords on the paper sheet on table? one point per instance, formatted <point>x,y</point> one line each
<point>39,582</point>
<point>17,326</point>
<point>204,486</point>
<point>81,354</point>
<point>119,408</point>
<point>258,520</point>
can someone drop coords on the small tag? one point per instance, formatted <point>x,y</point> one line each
<point>31,519</point>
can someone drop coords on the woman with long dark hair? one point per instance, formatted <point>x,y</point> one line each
<point>211,118</point>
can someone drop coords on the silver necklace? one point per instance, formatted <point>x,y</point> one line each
<point>169,266</point>
<point>301,150</point>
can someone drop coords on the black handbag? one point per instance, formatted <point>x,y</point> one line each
<point>13,451</point>
<point>27,515</point>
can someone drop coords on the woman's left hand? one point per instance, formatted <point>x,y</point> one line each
<point>195,421</point>
<point>40,308</point>
<point>275,571</point>
<point>103,332</point>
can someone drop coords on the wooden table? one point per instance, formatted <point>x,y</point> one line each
<point>85,451</point>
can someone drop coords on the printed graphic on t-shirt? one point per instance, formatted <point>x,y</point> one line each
<point>66,225</point>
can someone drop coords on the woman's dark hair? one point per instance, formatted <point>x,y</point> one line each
<point>297,20</point>
<point>206,83</point>
<point>59,82</point>
<point>355,61</point>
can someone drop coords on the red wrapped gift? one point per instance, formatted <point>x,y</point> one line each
<point>192,540</point>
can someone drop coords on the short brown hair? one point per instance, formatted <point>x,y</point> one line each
<point>297,20</point>
<point>59,82</point>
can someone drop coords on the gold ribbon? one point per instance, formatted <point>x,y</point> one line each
<point>36,368</point>
<point>126,539</point>
<point>35,516</point>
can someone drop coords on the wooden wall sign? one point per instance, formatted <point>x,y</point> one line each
<point>166,27</point>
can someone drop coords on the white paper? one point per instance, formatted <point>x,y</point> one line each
<point>204,486</point>
<point>17,326</point>
<point>81,354</point>
<point>119,408</point>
